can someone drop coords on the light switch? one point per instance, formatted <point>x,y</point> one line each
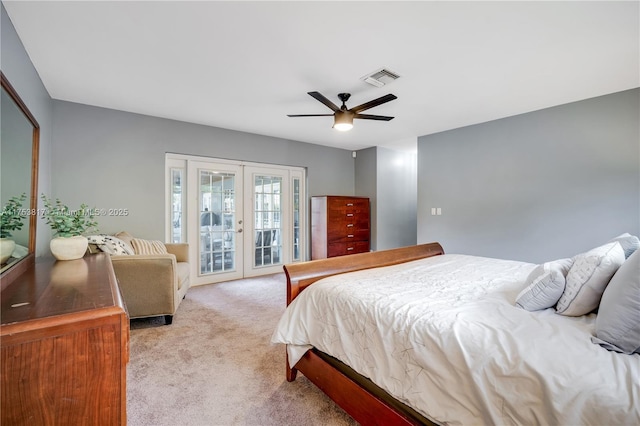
<point>433,211</point>
<point>438,211</point>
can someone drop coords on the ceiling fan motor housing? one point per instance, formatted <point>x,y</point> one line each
<point>345,114</point>
<point>344,97</point>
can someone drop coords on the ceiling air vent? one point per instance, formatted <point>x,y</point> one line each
<point>380,78</point>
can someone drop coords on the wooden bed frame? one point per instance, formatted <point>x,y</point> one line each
<point>367,403</point>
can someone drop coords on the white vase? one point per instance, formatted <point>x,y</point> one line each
<point>69,248</point>
<point>6,249</point>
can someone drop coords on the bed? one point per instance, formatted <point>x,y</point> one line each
<point>416,336</point>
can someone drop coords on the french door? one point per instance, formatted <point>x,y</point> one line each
<point>242,219</point>
<point>215,225</point>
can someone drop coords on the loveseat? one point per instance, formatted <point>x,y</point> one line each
<point>153,276</point>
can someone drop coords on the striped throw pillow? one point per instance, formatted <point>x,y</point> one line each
<point>148,246</point>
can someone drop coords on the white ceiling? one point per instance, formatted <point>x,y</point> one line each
<point>246,65</point>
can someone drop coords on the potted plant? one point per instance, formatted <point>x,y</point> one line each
<point>68,226</point>
<point>10,220</point>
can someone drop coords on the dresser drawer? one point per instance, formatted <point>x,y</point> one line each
<point>344,235</point>
<point>347,225</point>
<point>349,203</point>
<point>348,211</point>
<point>341,249</point>
<point>349,208</point>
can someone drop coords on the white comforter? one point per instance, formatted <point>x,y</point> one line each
<point>443,335</point>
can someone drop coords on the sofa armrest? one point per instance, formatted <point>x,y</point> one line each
<point>149,283</point>
<point>179,250</point>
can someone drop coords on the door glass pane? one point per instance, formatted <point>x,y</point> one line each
<point>177,202</point>
<point>296,219</point>
<point>217,220</point>
<point>267,205</point>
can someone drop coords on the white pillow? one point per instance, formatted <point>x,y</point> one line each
<point>110,244</point>
<point>618,320</point>
<point>544,285</point>
<point>588,277</point>
<point>629,243</point>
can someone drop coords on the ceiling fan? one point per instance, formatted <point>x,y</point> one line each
<point>343,117</point>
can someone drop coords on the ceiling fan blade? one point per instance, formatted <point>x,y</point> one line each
<point>309,115</point>
<point>373,117</point>
<point>373,103</point>
<point>320,97</point>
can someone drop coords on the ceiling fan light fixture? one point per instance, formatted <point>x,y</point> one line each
<point>343,121</point>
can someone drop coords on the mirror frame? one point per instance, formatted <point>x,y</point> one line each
<point>21,265</point>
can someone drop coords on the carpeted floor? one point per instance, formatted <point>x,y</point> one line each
<point>215,364</point>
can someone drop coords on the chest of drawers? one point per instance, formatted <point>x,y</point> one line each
<point>339,226</point>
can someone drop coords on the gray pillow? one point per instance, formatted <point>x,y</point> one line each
<point>618,320</point>
<point>544,285</point>
<point>629,243</point>
<point>588,277</point>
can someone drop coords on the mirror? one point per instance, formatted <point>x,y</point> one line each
<point>19,143</point>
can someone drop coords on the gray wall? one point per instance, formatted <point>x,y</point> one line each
<point>388,177</point>
<point>536,186</point>
<point>366,185</point>
<point>19,70</point>
<point>115,159</point>
<point>397,198</point>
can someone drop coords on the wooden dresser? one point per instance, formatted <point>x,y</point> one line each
<point>339,226</point>
<point>64,345</point>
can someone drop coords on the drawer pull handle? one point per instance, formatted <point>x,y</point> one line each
<point>350,236</point>
<point>349,214</point>
<point>349,204</point>
<point>349,248</point>
<point>349,225</point>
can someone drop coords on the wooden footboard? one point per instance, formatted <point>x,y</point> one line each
<point>365,402</point>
